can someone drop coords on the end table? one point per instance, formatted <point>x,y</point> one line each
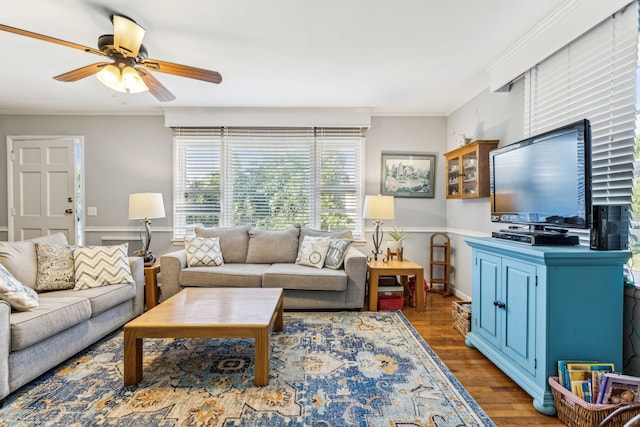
<point>151,290</point>
<point>377,268</point>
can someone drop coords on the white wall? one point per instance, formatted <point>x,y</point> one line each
<point>486,116</point>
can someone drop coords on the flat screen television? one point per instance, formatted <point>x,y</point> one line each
<point>544,182</point>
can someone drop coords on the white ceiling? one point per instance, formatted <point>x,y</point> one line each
<point>391,56</point>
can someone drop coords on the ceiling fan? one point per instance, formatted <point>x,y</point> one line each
<point>128,70</point>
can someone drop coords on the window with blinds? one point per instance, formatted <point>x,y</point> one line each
<point>196,179</point>
<point>269,177</point>
<point>593,77</point>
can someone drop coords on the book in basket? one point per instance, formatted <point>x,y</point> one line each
<point>618,388</point>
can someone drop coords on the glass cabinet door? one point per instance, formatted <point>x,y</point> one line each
<point>453,176</point>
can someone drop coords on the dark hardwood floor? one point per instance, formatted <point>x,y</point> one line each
<point>502,399</point>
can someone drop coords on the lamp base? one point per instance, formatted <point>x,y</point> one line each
<point>149,258</point>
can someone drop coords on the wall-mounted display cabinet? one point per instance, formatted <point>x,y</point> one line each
<point>468,170</point>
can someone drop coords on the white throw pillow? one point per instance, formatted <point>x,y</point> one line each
<point>337,250</point>
<point>19,296</point>
<point>313,251</point>
<point>203,251</point>
<point>101,265</point>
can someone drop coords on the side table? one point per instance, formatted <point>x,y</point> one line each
<point>377,268</point>
<point>151,290</point>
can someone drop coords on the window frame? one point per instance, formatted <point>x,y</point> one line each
<point>353,139</point>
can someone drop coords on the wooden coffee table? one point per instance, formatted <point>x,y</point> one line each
<point>208,313</point>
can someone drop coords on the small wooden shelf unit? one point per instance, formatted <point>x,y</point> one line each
<point>440,267</point>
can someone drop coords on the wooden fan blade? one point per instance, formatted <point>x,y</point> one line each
<point>127,36</point>
<point>50,39</point>
<point>81,73</point>
<point>155,87</point>
<point>182,70</point>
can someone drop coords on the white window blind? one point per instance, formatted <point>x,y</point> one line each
<point>341,180</point>
<point>269,177</point>
<point>593,77</point>
<point>196,179</point>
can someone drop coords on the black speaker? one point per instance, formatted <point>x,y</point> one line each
<point>610,227</point>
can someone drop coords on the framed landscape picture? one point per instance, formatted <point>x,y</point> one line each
<point>408,175</point>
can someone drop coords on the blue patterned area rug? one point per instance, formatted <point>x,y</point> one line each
<point>327,370</point>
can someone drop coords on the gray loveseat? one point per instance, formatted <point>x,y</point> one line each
<point>255,257</point>
<point>65,322</point>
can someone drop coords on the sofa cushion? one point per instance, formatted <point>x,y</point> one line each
<point>19,296</point>
<point>337,251</point>
<point>313,251</point>
<point>101,265</point>
<point>295,276</point>
<point>102,298</point>
<point>55,267</point>
<point>234,241</point>
<point>304,231</point>
<point>270,246</point>
<point>53,315</point>
<point>203,251</point>
<point>20,257</point>
<point>228,275</point>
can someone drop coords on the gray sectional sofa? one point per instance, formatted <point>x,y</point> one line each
<point>65,322</point>
<point>255,257</point>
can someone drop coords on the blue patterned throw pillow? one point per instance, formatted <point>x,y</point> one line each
<point>19,296</point>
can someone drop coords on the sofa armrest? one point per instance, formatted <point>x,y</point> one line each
<point>136,264</point>
<point>171,265</point>
<point>5,348</point>
<point>355,265</point>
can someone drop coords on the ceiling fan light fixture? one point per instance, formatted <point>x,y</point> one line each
<point>132,82</point>
<point>109,76</point>
<point>126,81</point>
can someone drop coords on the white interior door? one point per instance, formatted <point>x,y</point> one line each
<point>45,187</point>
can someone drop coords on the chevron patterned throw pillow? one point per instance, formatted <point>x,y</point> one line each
<point>101,265</point>
<point>203,251</point>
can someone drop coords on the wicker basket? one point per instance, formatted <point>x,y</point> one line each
<point>461,311</point>
<point>575,412</point>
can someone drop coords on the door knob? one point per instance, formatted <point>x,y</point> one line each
<point>69,211</point>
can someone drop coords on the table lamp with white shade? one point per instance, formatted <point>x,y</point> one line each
<point>145,206</point>
<point>378,208</point>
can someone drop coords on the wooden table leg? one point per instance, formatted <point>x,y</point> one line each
<point>262,356</point>
<point>132,357</point>
<point>278,325</point>
<point>374,277</point>
<point>420,297</point>
<point>151,286</point>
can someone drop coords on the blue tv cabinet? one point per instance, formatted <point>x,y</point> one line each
<point>534,305</point>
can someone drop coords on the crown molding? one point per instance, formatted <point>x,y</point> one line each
<point>568,22</point>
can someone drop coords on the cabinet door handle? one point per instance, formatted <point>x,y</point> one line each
<point>499,304</point>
